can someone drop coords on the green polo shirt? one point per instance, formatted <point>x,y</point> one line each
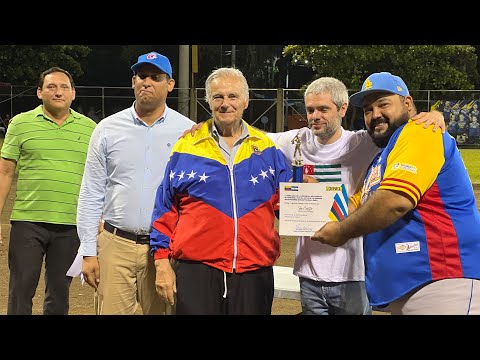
<point>50,162</point>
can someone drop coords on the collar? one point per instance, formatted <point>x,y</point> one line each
<point>38,112</point>
<point>138,120</point>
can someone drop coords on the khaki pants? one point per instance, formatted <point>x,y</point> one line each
<point>442,297</point>
<point>127,278</point>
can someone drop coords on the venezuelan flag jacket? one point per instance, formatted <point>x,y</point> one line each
<point>220,216</point>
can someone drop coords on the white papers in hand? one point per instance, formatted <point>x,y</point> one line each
<point>76,268</point>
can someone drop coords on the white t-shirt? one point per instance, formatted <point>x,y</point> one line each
<point>350,155</point>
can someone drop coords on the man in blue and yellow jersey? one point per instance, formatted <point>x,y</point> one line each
<point>48,146</point>
<point>417,211</point>
<point>215,210</point>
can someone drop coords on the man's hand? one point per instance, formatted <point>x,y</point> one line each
<point>165,281</point>
<point>330,234</point>
<point>429,118</point>
<point>309,179</point>
<point>91,271</point>
<point>100,226</point>
<point>194,129</point>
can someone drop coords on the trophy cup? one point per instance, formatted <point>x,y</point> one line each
<point>297,160</point>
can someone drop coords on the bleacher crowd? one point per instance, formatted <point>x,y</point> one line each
<point>462,119</point>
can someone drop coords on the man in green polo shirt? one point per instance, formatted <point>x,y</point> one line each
<point>48,147</point>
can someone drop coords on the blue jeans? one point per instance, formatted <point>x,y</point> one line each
<point>334,298</point>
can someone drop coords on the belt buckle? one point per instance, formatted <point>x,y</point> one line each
<point>143,239</point>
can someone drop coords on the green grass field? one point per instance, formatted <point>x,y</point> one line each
<point>471,157</point>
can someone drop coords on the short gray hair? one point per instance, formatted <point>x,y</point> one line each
<point>332,86</point>
<point>226,72</point>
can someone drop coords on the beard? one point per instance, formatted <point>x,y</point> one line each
<point>382,139</point>
<point>329,129</point>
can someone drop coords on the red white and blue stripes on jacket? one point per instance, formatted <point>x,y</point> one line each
<point>220,216</point>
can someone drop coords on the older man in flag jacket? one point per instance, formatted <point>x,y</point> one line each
<point>215,210</point>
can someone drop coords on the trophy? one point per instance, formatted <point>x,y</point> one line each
<point>297,160</point>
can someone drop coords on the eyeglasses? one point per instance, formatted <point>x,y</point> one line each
<point>155,76</point>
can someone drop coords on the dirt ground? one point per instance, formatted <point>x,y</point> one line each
<point>81,296</point>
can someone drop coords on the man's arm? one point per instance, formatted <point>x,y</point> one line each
<point>92,195</point>
<point>7,171</point>
<point>90,207</point>
<point>382,209</point>
<point>165,217</point>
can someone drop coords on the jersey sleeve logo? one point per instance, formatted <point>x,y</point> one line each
<point>406,167</point>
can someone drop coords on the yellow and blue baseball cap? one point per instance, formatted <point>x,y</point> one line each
<point>154,58</point>
<point>382,81</point>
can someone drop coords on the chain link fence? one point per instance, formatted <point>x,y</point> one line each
<point>269,109</point>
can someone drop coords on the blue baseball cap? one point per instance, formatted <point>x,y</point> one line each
<point>154,58</point>
<point>382,81</point>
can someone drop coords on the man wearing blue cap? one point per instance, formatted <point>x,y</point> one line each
<point>126,161</point>
<point>417,211</point>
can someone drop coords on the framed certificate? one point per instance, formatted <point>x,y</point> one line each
<point>306,207</point>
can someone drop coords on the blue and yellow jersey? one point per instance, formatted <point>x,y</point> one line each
<point>439,238</point>
<point>224,217</point>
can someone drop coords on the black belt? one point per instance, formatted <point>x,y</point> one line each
<point>139,239</point>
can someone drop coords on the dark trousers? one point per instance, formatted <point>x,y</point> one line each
<point>204,290</point>
<point>30,243</point>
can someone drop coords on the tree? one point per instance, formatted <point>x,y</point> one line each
<point>422,67</point>
<point>257,62</point>
<point>22,64</point>
<point>433,67</point>
<point>260,65</point>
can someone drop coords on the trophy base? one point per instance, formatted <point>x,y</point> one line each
<point>297,174</point>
